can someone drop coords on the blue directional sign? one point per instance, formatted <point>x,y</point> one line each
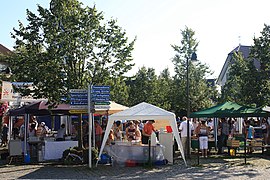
<point>100,95</point>
<point>78,99</point>
<point>100,87</point>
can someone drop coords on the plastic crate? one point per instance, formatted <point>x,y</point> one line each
<point>130,163</point>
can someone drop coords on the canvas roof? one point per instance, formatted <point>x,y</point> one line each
<point>229,109</point>
<point>114,108</point>
<point>42,108</point>
<point>143,111</point>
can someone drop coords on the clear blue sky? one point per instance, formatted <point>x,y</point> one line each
<point>220,25</point>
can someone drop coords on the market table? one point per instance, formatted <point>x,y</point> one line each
<point>122,153</point>
<point>54,149</point>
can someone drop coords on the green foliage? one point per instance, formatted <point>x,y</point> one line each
<point>146,86</point>
<point>143,88</point>
<point>119,90</point>
<point>67,47</point>
<point>95,153</point>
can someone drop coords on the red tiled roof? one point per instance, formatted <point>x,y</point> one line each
<point>4,50</point>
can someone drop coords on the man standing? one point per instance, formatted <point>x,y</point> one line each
<point>147,131</point>
<point>225,131</point>
<point>184,134</point>
<point>61,133</point>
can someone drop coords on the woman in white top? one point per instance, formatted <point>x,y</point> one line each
<point>32,130</point>
<point>202,131</point>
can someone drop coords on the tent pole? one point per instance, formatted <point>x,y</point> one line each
<point>89,127</point>
<point>25,135</point>
<point>10,125</point>
<point>80,132</point>
<point>216,132</point>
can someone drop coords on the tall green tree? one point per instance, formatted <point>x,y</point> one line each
<point>164,90</point>
<point>68,46</point>
<point>200,92</point>
<point>261,52</point>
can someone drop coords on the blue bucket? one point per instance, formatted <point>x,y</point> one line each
<point>27,158</point>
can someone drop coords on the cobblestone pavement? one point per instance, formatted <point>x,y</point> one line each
<point>211,168</point>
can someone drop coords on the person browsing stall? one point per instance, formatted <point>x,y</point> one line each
<point>42,130</point>
<point>184,134</point>
<point>61,133</point>
<point>4,135</point>
<point>32,130</point>
<point>117,131</point>
<point>147,131</point>
<point>111,137</point>
<point>130,131</point>
<point>98,134</point>
<point>138,134</point>
<point>202,131</point>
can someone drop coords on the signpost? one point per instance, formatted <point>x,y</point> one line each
<point>100,96</point>
<point>78,99</point>
<point>78,111</point>
<point>79,104</point>
<point>100,99</point>
<point>83,101</point>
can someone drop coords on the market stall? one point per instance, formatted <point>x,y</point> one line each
<point>143,111</point>
<point>232,110</point>
<point>228,110</point>
<point>125,152</point>
<point>44,148</point>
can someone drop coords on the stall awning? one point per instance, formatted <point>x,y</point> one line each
<point>229,109</point>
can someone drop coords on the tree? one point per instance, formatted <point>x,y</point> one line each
<point>261,52</point>
<point>143,87</point>
<point>164,90</point>
<point>241,82</point>
<point>67,47</point>
<point>119,90</point>
<point>200,92</point>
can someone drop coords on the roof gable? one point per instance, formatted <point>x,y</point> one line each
<point>245,51</point>
<point>4,50</point>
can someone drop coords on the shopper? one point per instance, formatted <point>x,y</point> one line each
<point>184,134</point>
<point>202,131</point>
<point>4,135</point>
<point>147,131</point>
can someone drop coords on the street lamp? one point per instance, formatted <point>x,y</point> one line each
<point>193,58</point>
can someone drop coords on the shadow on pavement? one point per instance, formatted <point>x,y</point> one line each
<point>215,167</point>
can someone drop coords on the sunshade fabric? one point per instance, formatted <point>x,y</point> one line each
<point>229,109</point>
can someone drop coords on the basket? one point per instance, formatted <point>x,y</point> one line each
<point>256,143</point>
<point>233,143</point>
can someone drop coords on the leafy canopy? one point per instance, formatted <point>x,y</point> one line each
<point>67,47</point>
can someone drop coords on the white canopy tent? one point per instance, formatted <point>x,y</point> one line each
<point>144,111</point>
